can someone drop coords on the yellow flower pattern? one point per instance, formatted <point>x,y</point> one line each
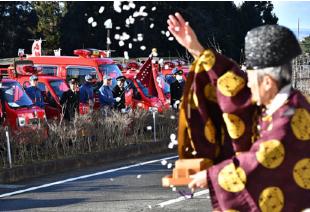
<point>230,84</point>
<point>271,199</point>
<point>210,92</point>
<point>301,173</point>
<point>235,125</point>
<point>205,62</point>
<point>300,124</point>
<point>270,154</point>
<point>209,131</point>
<point>232,179</point>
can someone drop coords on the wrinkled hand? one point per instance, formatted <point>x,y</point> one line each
<point>184,34</point>
<point>199,180</point>
<point>117,99</point>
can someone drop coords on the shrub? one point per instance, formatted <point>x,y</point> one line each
<point>86,134</point>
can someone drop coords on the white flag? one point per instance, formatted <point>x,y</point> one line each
<point>36,48</point>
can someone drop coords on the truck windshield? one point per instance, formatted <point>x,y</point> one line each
<point>111,70</point>
<point>79,73</point>
<point>48,70</point>
<point>14,95</point>
<point>59,87</point>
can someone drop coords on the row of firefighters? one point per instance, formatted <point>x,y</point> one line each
<point>109,97</point>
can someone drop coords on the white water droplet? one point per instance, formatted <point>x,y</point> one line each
<point>139,176</point>
<point>142,48</point>
<point>90,20</point>
<point>94,24</point>
<point>167,33</point>
<point>172,137</point>
<point>164,162</point>
<point>111,179</point>
<point>149,127</point>
<point>126,7</point>
<point>171,38</point>
<point>177,29</point>
<point>118,28</point>
<point>162,32</point>
<point>101,9</point>
<point>153,8</point>
<point>130,45</point>
<point>116,36</point>
<point>194,153</point>
<point>121,43</point>
<point>169,166</point>
<point>172,117</point>
<point>152,26</point>
<point>174,189</point>
<point>170,145</point>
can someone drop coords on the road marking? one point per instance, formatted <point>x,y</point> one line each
<point>83,177</point>
<point>179,199</point>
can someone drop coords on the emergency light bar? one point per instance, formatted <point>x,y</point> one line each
<point>90,53</point>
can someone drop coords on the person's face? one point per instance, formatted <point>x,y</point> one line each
<point>34,82</point>
<point>179,77</point>
<point>120,83</point>
<point>263,89</point>
<point>73,86</point>
<point>109,82</point>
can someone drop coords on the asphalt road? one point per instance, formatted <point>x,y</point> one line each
<point>123,186</point>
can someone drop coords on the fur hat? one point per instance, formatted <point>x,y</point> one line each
<point>270,46</point>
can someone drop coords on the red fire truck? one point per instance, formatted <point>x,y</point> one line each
<point>51,87</point>
<point>18,113</point>
<point>149,88</point>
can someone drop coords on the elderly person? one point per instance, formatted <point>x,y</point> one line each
<point>34,92</point>
<point>269,170</point>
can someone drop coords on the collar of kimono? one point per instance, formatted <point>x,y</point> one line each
<point>279,100</point>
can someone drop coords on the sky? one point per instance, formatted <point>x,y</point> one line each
<point>289,12</point>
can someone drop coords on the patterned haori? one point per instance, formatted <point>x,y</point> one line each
<point>271,171</point>
<point>215,93</point>
<point>274,175</point>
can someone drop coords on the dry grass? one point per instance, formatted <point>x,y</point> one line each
<point>86,134</point>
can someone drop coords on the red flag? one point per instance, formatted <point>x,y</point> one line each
<point>145,76</point>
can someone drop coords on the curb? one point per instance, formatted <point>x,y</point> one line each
<point>16,174</point>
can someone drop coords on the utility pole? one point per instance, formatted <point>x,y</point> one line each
<point>298,30</point>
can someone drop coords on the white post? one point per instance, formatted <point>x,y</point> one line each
<point>8,147</point>
<point>154,110</point>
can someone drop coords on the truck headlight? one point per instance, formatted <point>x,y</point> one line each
<point>21,121</point>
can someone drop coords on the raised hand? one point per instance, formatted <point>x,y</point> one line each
<point>184,34</point>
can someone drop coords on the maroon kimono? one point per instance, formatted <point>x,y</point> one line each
<point>270,170</point>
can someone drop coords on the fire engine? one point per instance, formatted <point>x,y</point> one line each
<point>18,113</point>
<point>51,87</point>
<point>149,88</point>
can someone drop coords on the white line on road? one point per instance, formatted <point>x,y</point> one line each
<point>83,177</point>
<point>172,201</point>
